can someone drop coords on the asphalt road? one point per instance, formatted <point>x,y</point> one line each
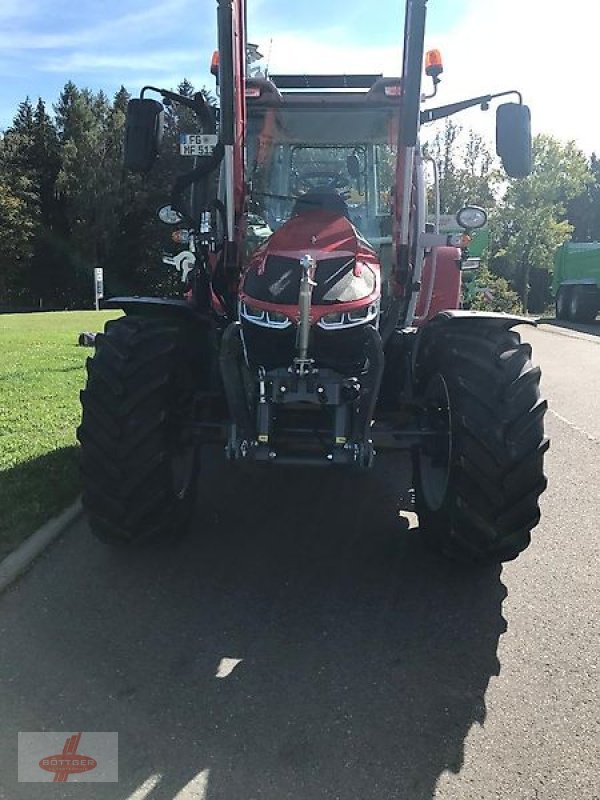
<point>370,670</point>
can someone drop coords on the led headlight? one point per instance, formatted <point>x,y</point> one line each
<point>268,319</point>
<point>336,320</point>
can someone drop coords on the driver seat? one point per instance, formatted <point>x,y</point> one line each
<point>322,200</point>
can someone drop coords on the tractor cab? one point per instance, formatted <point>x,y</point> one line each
<point>322,143</point>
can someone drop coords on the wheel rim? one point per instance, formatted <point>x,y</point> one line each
<point>436,452</point>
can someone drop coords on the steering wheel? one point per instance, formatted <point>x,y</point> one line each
<point>320,179</point>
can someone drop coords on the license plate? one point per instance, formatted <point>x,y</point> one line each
<point>197,144</point>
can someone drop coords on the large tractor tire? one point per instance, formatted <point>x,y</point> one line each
<point>138,462</point>
<point>478,481</point>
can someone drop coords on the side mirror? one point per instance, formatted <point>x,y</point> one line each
<point>513,139</point>
<point>143,134</point>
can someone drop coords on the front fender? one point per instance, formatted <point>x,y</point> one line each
<point>456,317</point>
<point>157,307</point>
<point>493,317</point>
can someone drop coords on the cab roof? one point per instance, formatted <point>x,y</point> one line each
<point>319,90</point>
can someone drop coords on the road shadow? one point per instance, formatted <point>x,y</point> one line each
<point>33,492</point>
<point>593,328</point>
<point>364,659</point>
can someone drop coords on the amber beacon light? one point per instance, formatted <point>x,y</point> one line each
<point>433,63</point>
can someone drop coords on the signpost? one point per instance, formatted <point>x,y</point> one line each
<point>98,286</point>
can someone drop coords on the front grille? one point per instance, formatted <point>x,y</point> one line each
<point>341,350</point>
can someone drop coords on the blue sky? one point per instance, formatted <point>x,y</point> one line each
<point>488,45</point>
<point>44,43</point>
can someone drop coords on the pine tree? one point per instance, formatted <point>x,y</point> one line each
<point>48,273</point>
<point>66,204</point>
<point>19,205</point>
<point>88,181</point>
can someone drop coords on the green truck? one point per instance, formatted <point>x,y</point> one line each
<point>576,282</point>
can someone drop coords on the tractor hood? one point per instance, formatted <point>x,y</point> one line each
<point>346,275</point>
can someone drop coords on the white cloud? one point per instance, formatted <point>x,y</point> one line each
<point>329,53</point>
<point>545,50</point>
<point>150,61</point>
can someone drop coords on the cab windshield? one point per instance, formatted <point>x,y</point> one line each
<point>297,153</point>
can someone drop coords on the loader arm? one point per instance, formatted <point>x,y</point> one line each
<point>403,223</point>
<point>231,16</point>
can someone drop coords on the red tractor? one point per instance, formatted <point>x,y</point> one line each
<point>319,322</point>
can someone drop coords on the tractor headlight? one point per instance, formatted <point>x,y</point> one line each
<point>268,319</point>
<point>336,320</point>
<point>275,319</point>
<point>333,320</point>
<point>252,313</point>
<point>360,314</point>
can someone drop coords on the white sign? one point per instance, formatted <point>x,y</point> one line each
<point>99,282</point>
<point>98,286</point>
<point>197,144</point>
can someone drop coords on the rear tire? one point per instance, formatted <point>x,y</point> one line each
<point>582,305</point>
<point>138,466</point>
<point>562,303</point>
<point>477,488</point>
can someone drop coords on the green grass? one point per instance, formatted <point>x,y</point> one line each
<point>42,370</point>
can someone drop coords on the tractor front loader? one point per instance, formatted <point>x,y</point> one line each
<point>319,322</point>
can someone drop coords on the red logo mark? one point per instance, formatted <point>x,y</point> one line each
<point>69,762</point>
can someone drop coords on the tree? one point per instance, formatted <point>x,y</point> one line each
<point>90,132</point>
<point>17,228</point>
<point>66,204</point>
<point>46,270</point>
<point>19,204</point>
<point>583,211</point>
<point>466,167</point>
<point>530,223</point>
<point>484,291</point>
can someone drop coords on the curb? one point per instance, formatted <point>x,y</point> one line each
<point>17,562</point>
